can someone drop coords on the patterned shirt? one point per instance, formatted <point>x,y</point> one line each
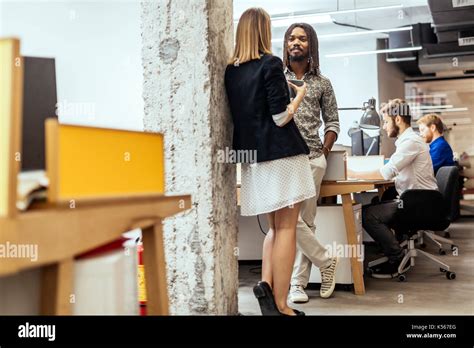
<point>320,100</point>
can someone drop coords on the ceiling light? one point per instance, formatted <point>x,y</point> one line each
<point>316,19</point>
<point>427,107</point>
<point>357,33</point>
<point>424,96</point>
<point>362,53</point>
<point>312,17</point>
<point>449,110</point>
<point>355,10</point>
<point>367,32</point>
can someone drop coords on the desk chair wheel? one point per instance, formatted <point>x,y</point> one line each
<point>402,277</point>
<point>441,252</point>
<point>442,270</point>
<point>451,275</point>
<point>447,235</point>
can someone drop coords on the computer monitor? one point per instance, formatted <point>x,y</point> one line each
<point>371,145</point>
<point>362,144</point>
<point>357,143</point>
<point>39,103</point>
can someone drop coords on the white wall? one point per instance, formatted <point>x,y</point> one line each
<point>97,46</point>
<point>391,86</point>
<point>354,80</point>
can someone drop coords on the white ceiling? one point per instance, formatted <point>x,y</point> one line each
<point>286,6</point>
<point>414,11</point>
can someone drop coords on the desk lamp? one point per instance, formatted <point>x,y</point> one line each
<point>370,118</point>
<point>369,122</point>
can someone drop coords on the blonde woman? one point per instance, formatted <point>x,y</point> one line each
<point>281,178</point>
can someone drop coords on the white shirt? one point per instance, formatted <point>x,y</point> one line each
<point>411,164</point>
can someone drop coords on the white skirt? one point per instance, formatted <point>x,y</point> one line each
<point>272,185</point>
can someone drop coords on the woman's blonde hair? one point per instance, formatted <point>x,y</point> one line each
<point>254,36</point>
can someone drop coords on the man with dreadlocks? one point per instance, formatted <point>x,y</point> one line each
<point>301,61</point>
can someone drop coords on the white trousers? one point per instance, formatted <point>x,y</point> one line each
<point>308,250</point>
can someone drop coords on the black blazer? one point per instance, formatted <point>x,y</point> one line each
<point>257,90</point>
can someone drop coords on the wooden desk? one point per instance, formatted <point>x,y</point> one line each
<point>345,189</point>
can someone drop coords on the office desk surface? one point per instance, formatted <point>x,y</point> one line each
<point>334,188</point>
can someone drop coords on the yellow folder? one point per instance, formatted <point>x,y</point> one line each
<point>88,162</point>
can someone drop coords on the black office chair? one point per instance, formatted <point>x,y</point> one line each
<point>448,185</point>
<point>421,211</point>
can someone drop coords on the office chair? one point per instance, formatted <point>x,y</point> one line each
<point>419,210</point>
<point>448,185</point>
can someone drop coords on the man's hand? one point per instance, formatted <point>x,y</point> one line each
<point>325,151</point>
<point>329,140</point>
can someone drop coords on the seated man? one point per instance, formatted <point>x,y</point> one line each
<point>411,167</point>
<point>431,129</point>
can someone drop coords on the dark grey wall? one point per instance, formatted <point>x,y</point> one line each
<point>391,85</point>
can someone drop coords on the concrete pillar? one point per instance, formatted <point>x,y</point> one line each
<point>185,48</point>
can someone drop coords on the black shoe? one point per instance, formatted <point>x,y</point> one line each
<point>297,313</point>
<point>387,268</point>
<point>264,295</point>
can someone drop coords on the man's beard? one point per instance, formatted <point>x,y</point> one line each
<point>429,138</point>
<point>297,59</point>
<point>395,131</point>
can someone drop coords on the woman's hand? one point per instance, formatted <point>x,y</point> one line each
<point>299,90</point>
<point>295,102</point>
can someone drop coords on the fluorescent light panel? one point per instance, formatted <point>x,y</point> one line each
<point>362,53</point>
<point>428,107</point>
<point>440,95</point>
<point>356,33</point>
<point>449,110</point>
<point>329,13</point>
<point>286,22</point>
<point>311,18</point>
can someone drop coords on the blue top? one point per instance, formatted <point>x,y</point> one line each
<point>441,154</point>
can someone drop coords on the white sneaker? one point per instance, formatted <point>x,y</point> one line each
<point>328,278</point>
<point>297,294</point>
